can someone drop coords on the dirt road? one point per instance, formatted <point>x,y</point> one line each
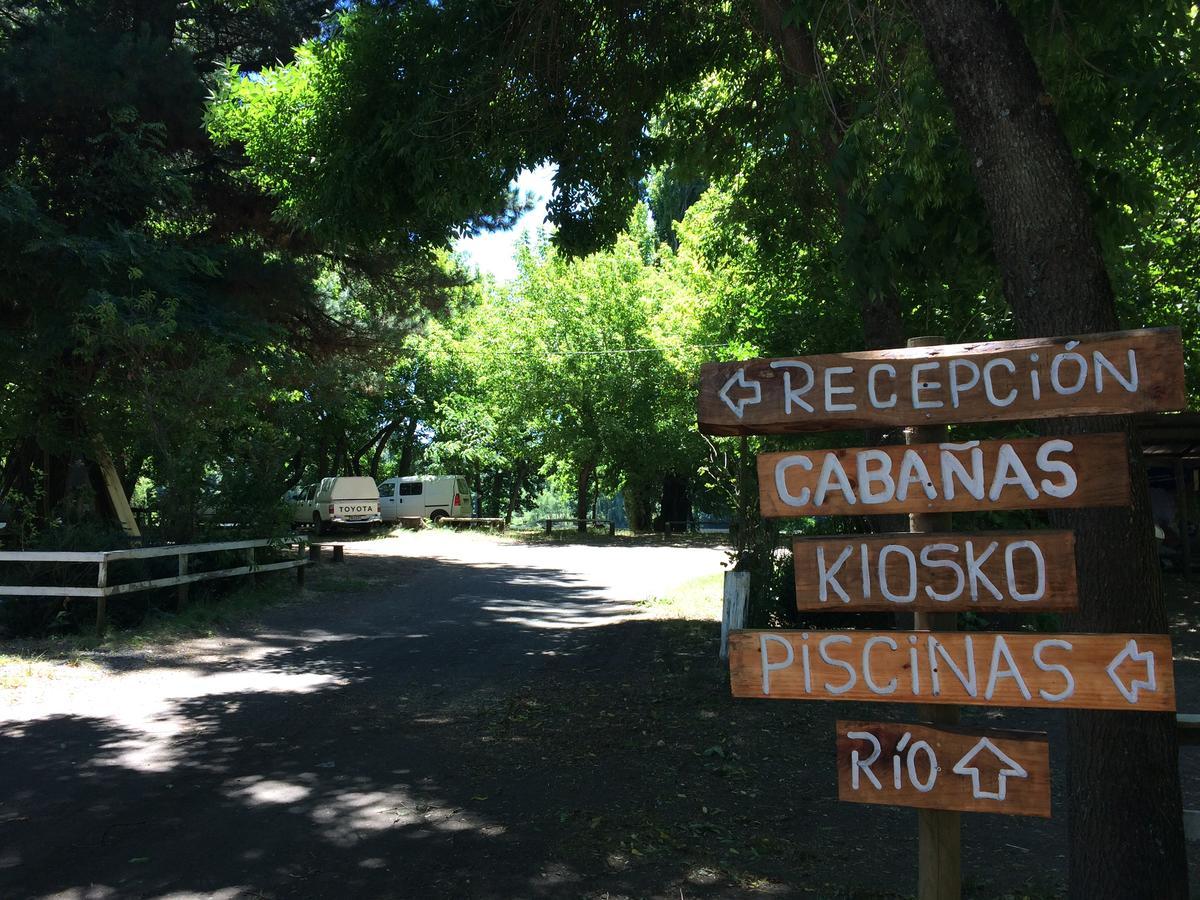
<point>462,717</point>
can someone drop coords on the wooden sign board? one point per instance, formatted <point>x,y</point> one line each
<point>944,768</point>
<point>1023,473</point>
<point>1075,671</point>
<point>1097,374</point>
<point>1009,571</point>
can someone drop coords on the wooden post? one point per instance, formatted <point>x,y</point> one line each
<point>300,568</point>
<point>181,592</point>
<point>612,529</point>
<point>549,523</point>
<point>339,553</point>
<point>101,601</point>
<point>733,606</point>
<point>314,553</point>
<point>1181,510</point>
<point>939,865</point>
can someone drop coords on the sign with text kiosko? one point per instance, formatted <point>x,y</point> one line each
<point>1023,473</point>
<point>1008,571</point>
<point>1098,374</point>
<point>944,768</point>
<point>1070,671</point>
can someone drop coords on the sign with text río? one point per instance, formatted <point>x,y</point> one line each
<point>1008,571</point>
<point>1022,473</point>
<point>1097,374</point>
<point>944,768</point>
<point>1075,671</point>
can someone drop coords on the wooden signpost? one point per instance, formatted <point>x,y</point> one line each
<point>1070,671</point>
<point>1002,571</point>
<point>1024,473</point>
<point>1097,374</point>
<point>944,768</point>
<point>934,572</point>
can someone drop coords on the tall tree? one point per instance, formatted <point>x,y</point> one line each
<point>1125,805</point>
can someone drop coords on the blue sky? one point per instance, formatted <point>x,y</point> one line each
<point>492,253</point>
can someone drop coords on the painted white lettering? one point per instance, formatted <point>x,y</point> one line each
<point>872,394</point>
<point>913,471</point>
<point>781,467</point>
<point>1039,564</point>
<point>833,478</point>
<point>927,785</point>
<point>794,396</point>
<point>967,679</point>
<point>928,561</point>
<point>952,468</point>
<point>868,679</point>
<point>1050,466</point>
<point>769,667</point>
<point>975,571</point>
<point>919,385</point>
<point>869,477</point>
<point>885,587</point>
<point>989,389</point>
<point>958,387</point>
<point>823,650</point>
<point>1010,470</point>
<point>1068,678</point>
<point>831,389</point>
<point>1010,670</point>
<point>827,578</point>
<point>857,764</point>
<point>1056,370</point>
<point>1100,363</point>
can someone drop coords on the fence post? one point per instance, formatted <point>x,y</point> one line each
<point>101,601</point>
<point>300,568</point>
<point>549,523</point>
<point>733,606</point>
<point>181,592</point>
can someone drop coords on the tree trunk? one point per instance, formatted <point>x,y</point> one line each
<point>582,493</point>
<point>1124,798</point>
<point>408,450</point>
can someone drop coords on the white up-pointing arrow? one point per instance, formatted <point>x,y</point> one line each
<point>1009,767</point>
<point>1130,651</point>
<point>738,379</point>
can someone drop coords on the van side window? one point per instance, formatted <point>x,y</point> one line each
<point>411,488</point>
<point>387,490</point>
<point>463,488</point>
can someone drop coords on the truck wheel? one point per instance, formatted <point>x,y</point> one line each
<point>438,515</point>
<point>318,526</point>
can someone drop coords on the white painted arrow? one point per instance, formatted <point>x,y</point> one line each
<point>738,379</point>
<point>1009,768</point>
<point>1130,651</point>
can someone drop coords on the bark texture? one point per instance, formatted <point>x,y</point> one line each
<point>1125,808</point>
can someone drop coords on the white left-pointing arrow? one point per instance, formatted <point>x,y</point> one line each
<point>738,379</point>
<point>1130,651</point>
<point>1009,768</point>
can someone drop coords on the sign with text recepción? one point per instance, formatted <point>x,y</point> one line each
<point>1005,571</point>
<point>1098,374</point>
<point>1070,671</point>
<point>1022,473</point>
<point>993,771</point>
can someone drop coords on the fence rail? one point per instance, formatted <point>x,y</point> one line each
<point>183,552</point>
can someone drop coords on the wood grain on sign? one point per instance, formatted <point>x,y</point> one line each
<point>1097,374</point>
<point>1023,473</point>
<point>1010,571</point>
<point>1076,671</point>
<point>944,768</point>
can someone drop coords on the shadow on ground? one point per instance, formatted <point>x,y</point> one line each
<point>487,732</point>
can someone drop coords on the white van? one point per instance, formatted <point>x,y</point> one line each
<point>336,501</point>
<point>428,496</point>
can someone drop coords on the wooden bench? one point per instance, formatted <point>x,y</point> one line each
<point>339,552</point>
<point>586,523</point>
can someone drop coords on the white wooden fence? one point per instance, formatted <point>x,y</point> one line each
<point>183,552</point>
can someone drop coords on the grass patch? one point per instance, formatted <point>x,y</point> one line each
<point>697,599</point>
